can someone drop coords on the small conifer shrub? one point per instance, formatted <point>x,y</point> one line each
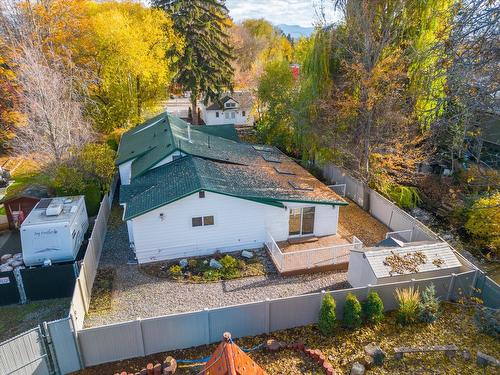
<point>429,305</point>
<point>352,312</point>
<point>327,316</point>
<point>373,308</point>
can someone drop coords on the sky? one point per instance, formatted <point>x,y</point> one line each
<point>290,12</point>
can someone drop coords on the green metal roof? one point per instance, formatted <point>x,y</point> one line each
<point>227,131</point>
<point>151,142</point>
<point>187,175</point>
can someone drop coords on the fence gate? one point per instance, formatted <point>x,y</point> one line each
<point>25,354</point>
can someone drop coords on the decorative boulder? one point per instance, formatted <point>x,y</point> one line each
<point>247,254</point>
<point>183,263</point>
<point>375,354</point>
<point>5,258</point>
<point>215,264</point>
<point>357,369</point>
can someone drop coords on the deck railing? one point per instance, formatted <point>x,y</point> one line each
<point>310,258</point>
<point>402,235</point>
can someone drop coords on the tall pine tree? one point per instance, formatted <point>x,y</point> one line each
<point>204,66</point>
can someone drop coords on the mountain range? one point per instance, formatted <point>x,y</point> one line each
<point>295,31</point>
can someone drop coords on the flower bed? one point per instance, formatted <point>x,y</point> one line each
<point>199,270</point>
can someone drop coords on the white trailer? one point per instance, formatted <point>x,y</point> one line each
<point>54,230</point>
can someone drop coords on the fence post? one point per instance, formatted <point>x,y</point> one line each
<point>207,324</point>
<point>368,289</point>
<point>451,287</point>
<point>140,337</point>
<point>268,315</point>
<point>84,302</point>
<point>20,285</point>
<point>50,348</point>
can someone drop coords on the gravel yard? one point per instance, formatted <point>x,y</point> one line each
<point>138,295</point>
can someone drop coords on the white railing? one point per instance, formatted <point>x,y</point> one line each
<point>402,235</point>
<point>275,252</point>
<point>310,258</point>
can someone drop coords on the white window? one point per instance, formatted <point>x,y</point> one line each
<point>301,222</point>
<point>243,113</point>
<point>233,115</point>
<point>202,221</point>
<point>217,114</point>
<point>226,115</point>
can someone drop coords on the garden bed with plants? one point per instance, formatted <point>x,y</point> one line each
<point>420,321</point>
<point>204,269</point>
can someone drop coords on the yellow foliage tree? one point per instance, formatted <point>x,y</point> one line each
<point>132,43</point>
<point>484,221</point>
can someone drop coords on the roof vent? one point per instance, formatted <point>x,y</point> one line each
<point>54,209</point>
<point>271,158</point>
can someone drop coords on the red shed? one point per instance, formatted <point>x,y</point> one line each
<point>19,205</point>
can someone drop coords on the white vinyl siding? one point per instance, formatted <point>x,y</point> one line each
<point>238,224</point>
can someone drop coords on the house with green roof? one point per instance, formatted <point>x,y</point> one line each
<point>189,192</point>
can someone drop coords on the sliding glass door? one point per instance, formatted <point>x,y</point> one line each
<point>301,221</point>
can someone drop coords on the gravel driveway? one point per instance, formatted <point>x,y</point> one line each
<point>138,295</point>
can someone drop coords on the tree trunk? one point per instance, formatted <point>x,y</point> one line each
<point>194,110</point>
<point>139,104</point>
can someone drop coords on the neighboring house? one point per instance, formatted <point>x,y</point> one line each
<point>380,265</point>
<point>232,108</point>
<point>189,193</point>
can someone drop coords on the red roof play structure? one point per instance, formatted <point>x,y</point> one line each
<point>229,359</point>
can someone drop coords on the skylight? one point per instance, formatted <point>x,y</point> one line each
<point>284,171</point>
<point>271,158</point>
<point>263,148</point>
<point>300,186</point>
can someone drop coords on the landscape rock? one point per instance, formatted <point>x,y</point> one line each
<point>5,268</point>
<point>183,263</point>
<point>375,354</point>
<point>17,256</point>
<point>357,369</point>
<point>215,264</point>
<point>247,254</point>
<point>466,355</point>
<point>5,258</point>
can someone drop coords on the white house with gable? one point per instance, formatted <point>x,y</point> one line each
<point>232,108</point>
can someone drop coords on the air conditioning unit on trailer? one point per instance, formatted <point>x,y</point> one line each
<point>54,230</point>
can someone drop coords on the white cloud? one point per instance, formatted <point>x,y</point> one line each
<point>291,12</point>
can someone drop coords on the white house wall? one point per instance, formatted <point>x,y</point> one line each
<point>168,159</point>
<point>210,117</point>
<point>359,272</point>
<point>239,224</point>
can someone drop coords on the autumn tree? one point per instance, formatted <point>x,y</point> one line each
<point>203,67</point>
<point>133,72</point>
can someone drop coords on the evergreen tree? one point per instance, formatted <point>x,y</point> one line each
<point>204,66</point>
<point>327,316</point>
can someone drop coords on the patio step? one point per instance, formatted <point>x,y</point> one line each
<point>307,239</point>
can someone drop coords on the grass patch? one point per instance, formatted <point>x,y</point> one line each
<point>346,346</point>
<point>100,302</point>
<point>15,319</point>
<point>198,269</point>
<point>28,173</point>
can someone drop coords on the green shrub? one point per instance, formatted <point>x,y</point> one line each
<point>483,222</point>
<point>409,305</point>
<point>352,312</point>
<point>211,275</point>
<point>327,316</point>
<point>228,262</point>
<point>429,306</point>
<point>487,320</point>
<point>192,263</point>
<point>92,199</point>
<point>175,270</point>
<point>373,308</point>
<point>403,196</point>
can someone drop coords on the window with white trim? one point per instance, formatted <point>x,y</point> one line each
<point>202,221</point>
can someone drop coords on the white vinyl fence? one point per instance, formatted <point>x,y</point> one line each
<point>83,287</point>
<point>142,337</point>
<point>380,207</point>
<point>25,354</point>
